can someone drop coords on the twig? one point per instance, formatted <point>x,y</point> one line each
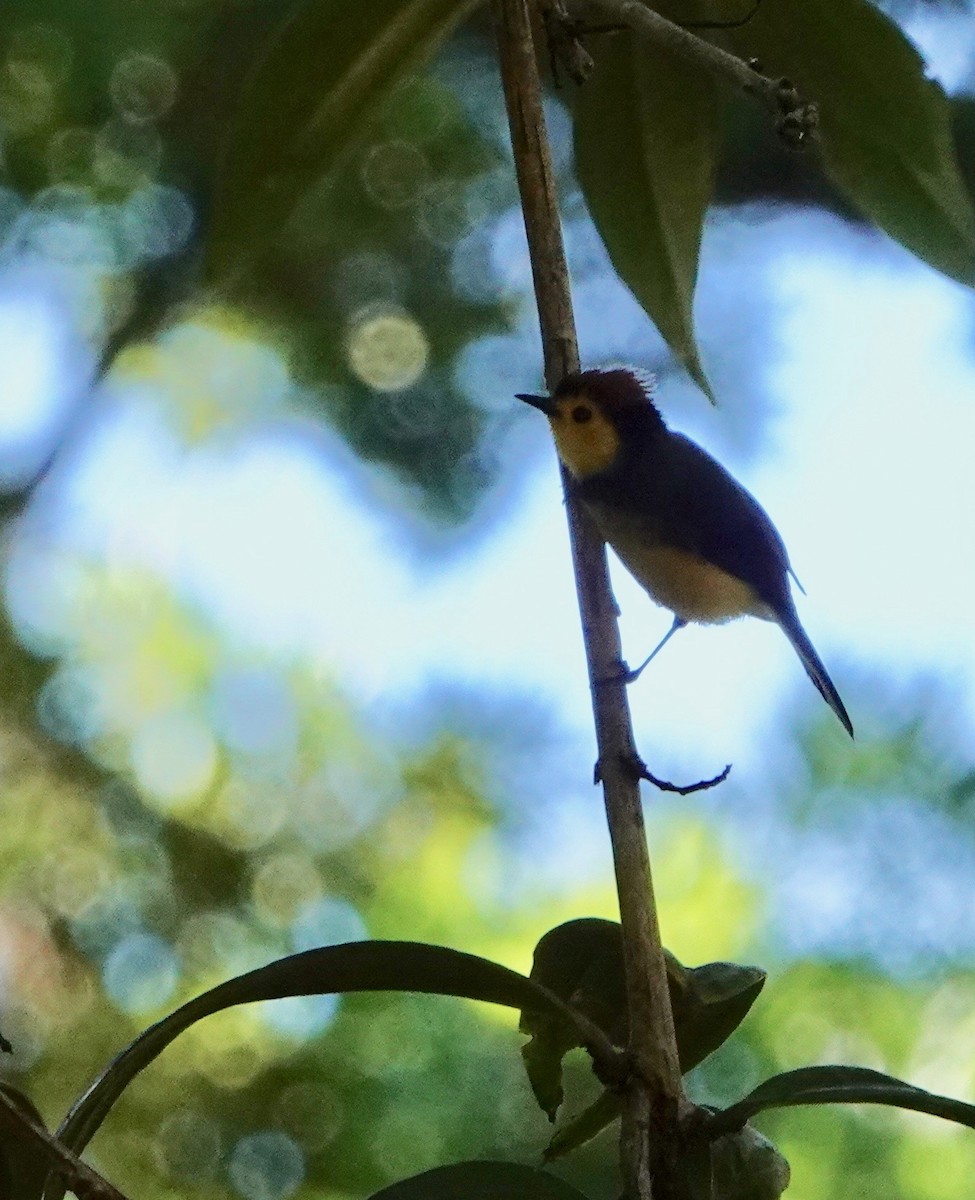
<point>564,46</point>
<point>78,1177</point>
<point>796,119</point>
<point>688,45</point>
<point>654,1099</point>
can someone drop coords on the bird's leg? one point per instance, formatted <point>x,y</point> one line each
<point>624,675</point>
<point>632,676</point>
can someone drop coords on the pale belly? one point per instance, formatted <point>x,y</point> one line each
<point>692,588</point>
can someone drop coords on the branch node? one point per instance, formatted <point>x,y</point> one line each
<point>562,36</point>
<point>797,126</point>
<point>615,1074</point>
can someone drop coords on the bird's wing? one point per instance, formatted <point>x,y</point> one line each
<point>703,509</point>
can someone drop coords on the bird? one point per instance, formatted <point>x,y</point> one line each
<point>697,542</point>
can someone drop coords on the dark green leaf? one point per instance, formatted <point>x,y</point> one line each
<point>581,959</point>
<point>885,128</point>
<point>312,95</point>
<point>716,1000</point>
<point>480,1181</point>
<point>542,1056</point>
<point>963,133</point>
<point>646,142</point>
<point>582,1128</point>
<point>353,967</point>
<point>582,963</point>
<point>838,1085</point>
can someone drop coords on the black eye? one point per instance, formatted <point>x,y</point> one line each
<point>581,414</point>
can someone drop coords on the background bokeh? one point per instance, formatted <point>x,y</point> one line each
<point>290,656</point>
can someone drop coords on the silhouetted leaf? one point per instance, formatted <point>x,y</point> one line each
<point>582,1128</point>
<point>581,961</point>
<point>542,1056</point>
<point>885,128</point>
<point>646,144</point>
<point>323,77</point>
<point>584,959</point>
<point>715,1002</point>
<point>480,1181</point>
<point>839,1085</point>
<point>963,133</point>
<point>352,967</point>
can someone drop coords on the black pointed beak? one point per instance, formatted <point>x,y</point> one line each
<point>543,403</point>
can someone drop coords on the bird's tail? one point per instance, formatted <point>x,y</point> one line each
<point>814,666</point>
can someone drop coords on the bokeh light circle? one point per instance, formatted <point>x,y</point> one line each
<point>174,756</point>
<point>254,710</point>
<point>311,1113</point>
<point>267,1166</point>
<point>45,46</point>
<point>126,155</point>
<point>387,349</point>
<point>301,1017</point>
<point>68,705</point>
<point>141,973</point>
<point>327,921</point>
<point>71,155</point>
<point>66,225</point>
<point>187,1148</point>
<point>27,97</point>
<point>143,87</point>
<point>284,885</point>
<point>395,174</point>
<point>158,220</point>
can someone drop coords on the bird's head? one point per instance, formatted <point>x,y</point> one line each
<point>593,414</point>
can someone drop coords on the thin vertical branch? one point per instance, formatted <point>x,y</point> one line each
<point>655,1096</point>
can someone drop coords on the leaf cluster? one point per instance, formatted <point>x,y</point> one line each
<point>576,983</point>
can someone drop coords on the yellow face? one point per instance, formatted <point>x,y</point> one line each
<point>586,440</point>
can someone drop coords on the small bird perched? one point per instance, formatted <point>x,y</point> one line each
<point>682,526</point>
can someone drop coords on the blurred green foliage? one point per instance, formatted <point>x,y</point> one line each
<point>121,901</point>
<point>131,138</point>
